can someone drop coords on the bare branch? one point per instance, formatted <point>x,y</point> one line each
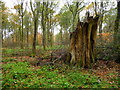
<point>32,7</point>
<point>69,7</point>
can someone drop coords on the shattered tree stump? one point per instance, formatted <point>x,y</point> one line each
<point>82,42</point>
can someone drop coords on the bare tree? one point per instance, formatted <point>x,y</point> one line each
<point>35,12</point>
<point>75,9</point>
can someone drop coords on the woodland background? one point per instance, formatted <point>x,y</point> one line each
<point>35,38</point>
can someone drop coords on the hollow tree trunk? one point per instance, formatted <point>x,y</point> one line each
<point>82,42</point>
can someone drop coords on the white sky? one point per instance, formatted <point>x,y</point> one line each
<point>11,3</point>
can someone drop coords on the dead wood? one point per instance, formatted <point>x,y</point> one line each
<point>82,42</point>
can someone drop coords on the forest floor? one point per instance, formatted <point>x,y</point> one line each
<point>21,69</point>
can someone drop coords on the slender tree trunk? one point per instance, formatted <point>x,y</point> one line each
<point>22,38</point>
<point>51,31</point>
<point>35,34</point>
<point>5,36</point>
<point>16,36</point>
<point>61,34</point>
<point>2,36</point>
<point>50,25</point>
<point>44,27</point>
<point>101,22</point>
<point>82,43</point>
<point>22,35</point>
<point>51,38</point>
<point>48,36</point>
<point>2,28</point>
<point>117,34</point>
<point>116,28</point>
<point>47,25</point>
<point>44,37</point>
<point>28,37</point>
<point>35,17</point>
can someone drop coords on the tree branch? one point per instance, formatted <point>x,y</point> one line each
<point>32,7</point>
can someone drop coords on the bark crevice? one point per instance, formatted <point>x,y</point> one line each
<point>82,42</point>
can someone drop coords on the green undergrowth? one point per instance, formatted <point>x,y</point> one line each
<point>9,60</point>
<point>15,52</point>
<point>22,75</point>
<point>27,52</point>
<point>9,51</point>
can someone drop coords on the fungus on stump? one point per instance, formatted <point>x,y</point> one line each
<point>82,42</point>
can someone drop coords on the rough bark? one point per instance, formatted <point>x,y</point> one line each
<point>82,42</point>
